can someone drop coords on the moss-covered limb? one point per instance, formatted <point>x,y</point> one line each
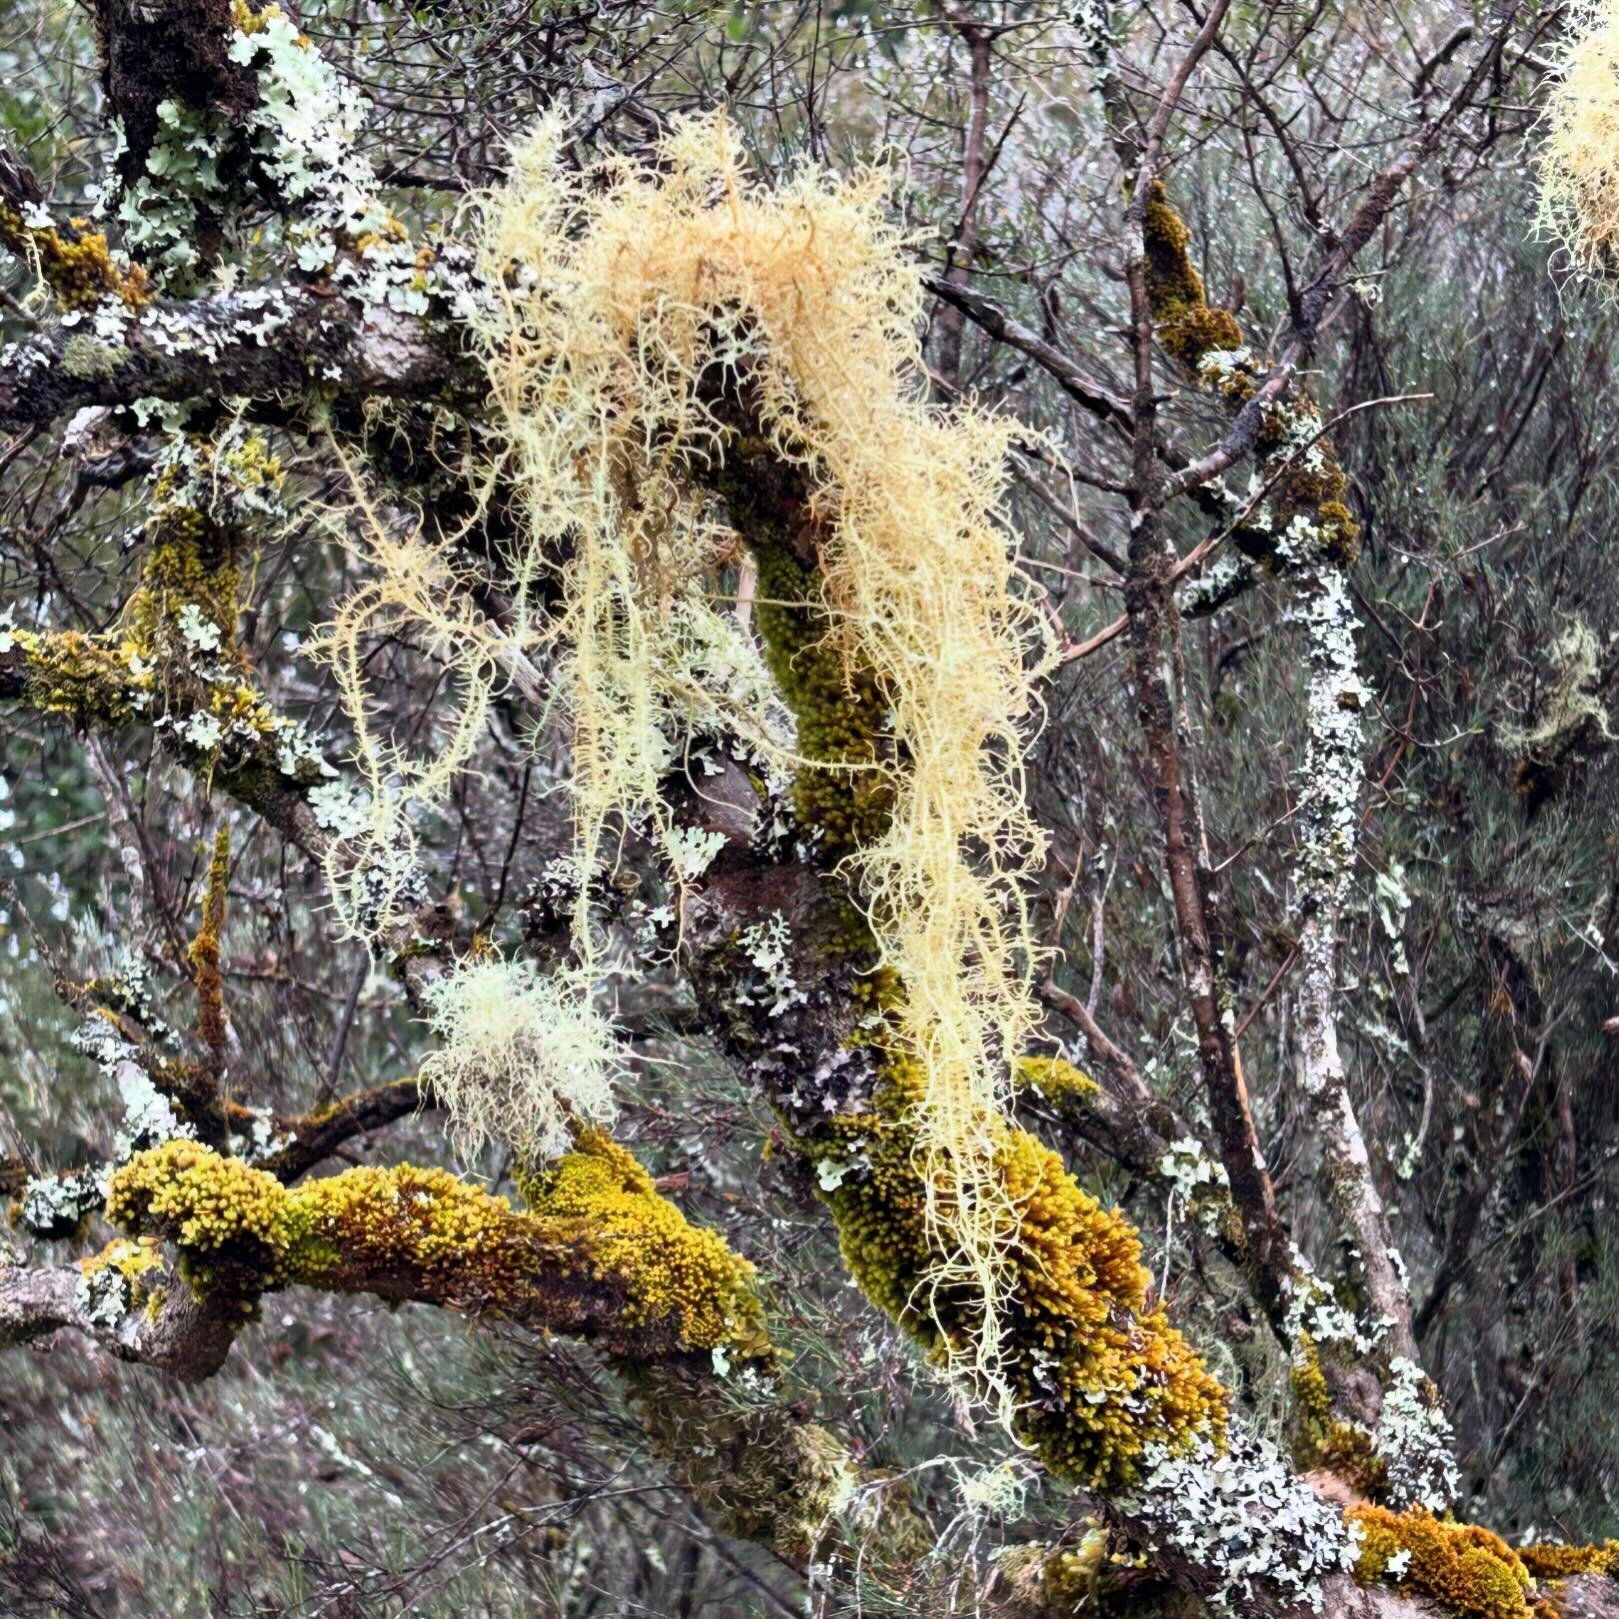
<point>1304,508</point>
<point>204,954</point>
<point>763,1469</point>
<point>1304,525</point>
<point>1100,1374</point>
<point>298,1142</point>
<point>1099,1377</point>
<point>600,1255</point>
<point>172,662</point>
<point>844,792</point>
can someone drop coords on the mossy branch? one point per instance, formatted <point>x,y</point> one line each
<point>603,1256</point>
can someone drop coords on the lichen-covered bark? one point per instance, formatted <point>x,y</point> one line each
<point>1298,523</point>
<point>278,346</point>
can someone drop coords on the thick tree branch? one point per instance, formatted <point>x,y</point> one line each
<point>278,345</point>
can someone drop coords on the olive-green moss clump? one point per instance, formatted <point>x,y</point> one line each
<point>1188,325</point>
<point>1097,1372</point>
<point>1467,1570</point>
<point>407,1232</point>
<point>837,707</point>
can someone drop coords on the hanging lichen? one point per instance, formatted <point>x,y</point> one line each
<point>1579,158</point>
<point>623,300</point>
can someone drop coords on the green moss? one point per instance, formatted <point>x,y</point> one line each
<point>1187,325</point>
<point>91,361</point>
<point>839,712</point>
<point>1324,1439</point>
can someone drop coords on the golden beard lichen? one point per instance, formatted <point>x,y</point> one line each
<point>413,588</point>
<point>1095,1374</point>
<point>617,297</point>
<point>1579,153</point>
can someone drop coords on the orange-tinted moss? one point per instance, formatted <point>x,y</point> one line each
<point>1097,1371</point>
<point>1550,1561</point>
<point>1468,1570</point>
<point>76,264</point>
<point>204,950</point>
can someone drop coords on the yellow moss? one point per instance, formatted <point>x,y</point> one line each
<point>78,266</point>
<point>1550,1561</point>
<point>670,1267</point>
<point>1096,1371</point>
<point>1069,1578</point>
<point>407,1231</point>
<point>1054,1078</point>
<point>1466,1569</point>
<point>208,1204</point>
<point>76,676</point>
<point>131,1260</point>
<point>1324,1439</point>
